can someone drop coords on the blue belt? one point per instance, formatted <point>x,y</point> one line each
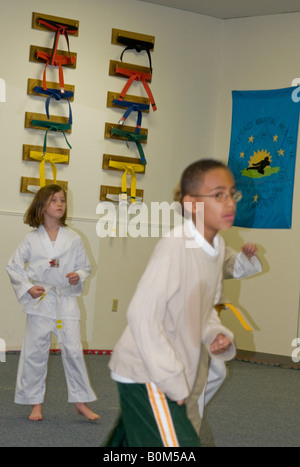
<point>132,107</point>
<point>57,95</point>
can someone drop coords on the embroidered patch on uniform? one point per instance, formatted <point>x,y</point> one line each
<point>54,263</point>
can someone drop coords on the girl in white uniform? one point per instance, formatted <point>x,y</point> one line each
<point>47,272</point>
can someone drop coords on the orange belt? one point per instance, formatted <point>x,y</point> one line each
<point>59,29</point>
<point>58,60</point>
<point>135,75</point>
<point>53,58</point>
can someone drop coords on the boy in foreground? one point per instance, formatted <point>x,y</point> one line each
<point>171,314</point>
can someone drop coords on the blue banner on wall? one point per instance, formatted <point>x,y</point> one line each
<point>262,155</point>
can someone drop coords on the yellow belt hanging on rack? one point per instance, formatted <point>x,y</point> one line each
<point>131,169</point>
<point>51,158</point>
<point>243,322</point>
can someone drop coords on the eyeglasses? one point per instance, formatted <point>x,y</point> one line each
<point>222,197</point>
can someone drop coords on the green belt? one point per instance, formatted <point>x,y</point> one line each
<point>135,137</point>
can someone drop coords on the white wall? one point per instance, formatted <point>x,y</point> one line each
<point>197,62</point>
<point>186,69</point>
<point>261,53</point>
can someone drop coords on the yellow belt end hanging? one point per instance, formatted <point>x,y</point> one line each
<point>59,324</point>
<point>243,322</point>
<point>50,158</point>
<point>129,168</point>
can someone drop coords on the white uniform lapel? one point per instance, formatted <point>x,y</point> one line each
<point>60,245</point>
<point>45,241</point>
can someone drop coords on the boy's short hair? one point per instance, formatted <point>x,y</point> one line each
<point>193,176</point>
<point>34,216</point>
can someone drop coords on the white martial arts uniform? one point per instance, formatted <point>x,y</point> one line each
<point>212,370</point>
<point>38,261</point>
<point>236,266</point>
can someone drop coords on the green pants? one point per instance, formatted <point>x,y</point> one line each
<point>149,419</point>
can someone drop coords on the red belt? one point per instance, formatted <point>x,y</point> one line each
<point>60,29</point>
<point>58,60</point>
<point>52,58</point>
<point>135,75</point>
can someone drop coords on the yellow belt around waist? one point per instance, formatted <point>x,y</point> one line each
<point>58,292</point>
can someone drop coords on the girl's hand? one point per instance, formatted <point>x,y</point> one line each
<point>73,278</point>
<point>36,291</point>
<point>249,250</point>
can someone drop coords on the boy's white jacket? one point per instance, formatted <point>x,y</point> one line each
<point>171,315</point>
<point>30,265</point>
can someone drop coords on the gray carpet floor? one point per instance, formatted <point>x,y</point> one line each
<point>258,405</point>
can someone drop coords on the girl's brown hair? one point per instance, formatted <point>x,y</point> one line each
<point>34,215</point>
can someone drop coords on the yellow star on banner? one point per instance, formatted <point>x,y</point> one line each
<point>251,139</point>
<point>281,152</point>
<point>242,154</point>
<point>275,138</point>
<point>255,198</point>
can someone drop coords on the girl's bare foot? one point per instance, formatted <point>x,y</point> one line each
<point>84,410</point>
<point>36,413</point>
